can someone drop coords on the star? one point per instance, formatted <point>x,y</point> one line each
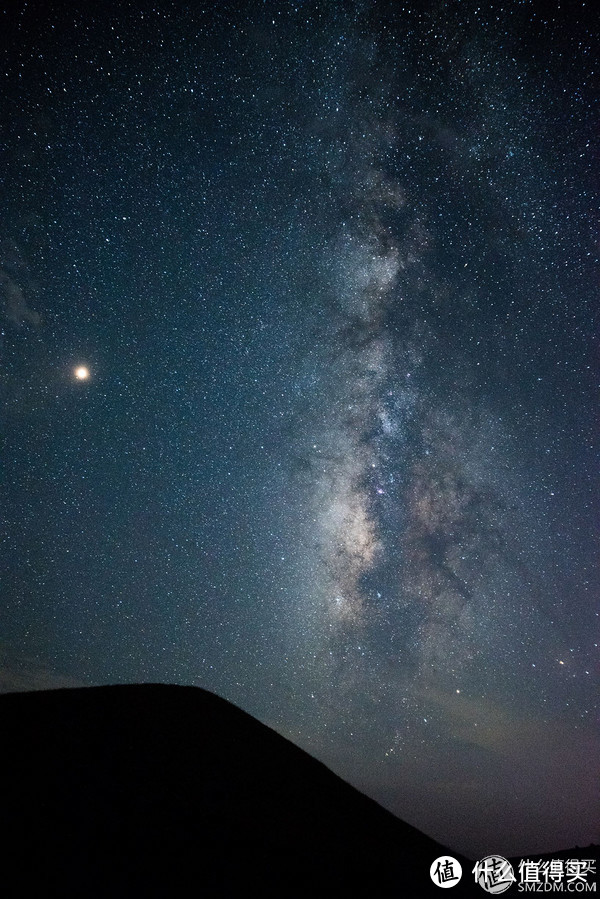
<point>82,373</point>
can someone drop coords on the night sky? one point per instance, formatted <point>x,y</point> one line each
<point>330,271</point>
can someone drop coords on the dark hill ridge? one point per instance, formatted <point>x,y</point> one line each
<point>167,790</point>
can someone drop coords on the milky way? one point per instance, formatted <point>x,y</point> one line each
<point>408,517</point>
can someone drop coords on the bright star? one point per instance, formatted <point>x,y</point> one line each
<point>82,373</point>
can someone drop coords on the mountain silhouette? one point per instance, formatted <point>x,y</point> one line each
<point>145,790</point>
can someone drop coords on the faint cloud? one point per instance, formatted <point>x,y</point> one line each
<point>15,284</point>
<point>21,673</point>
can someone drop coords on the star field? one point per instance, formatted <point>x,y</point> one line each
<point>299,384</point>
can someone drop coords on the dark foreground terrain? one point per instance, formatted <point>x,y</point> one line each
<point>171,791</point>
